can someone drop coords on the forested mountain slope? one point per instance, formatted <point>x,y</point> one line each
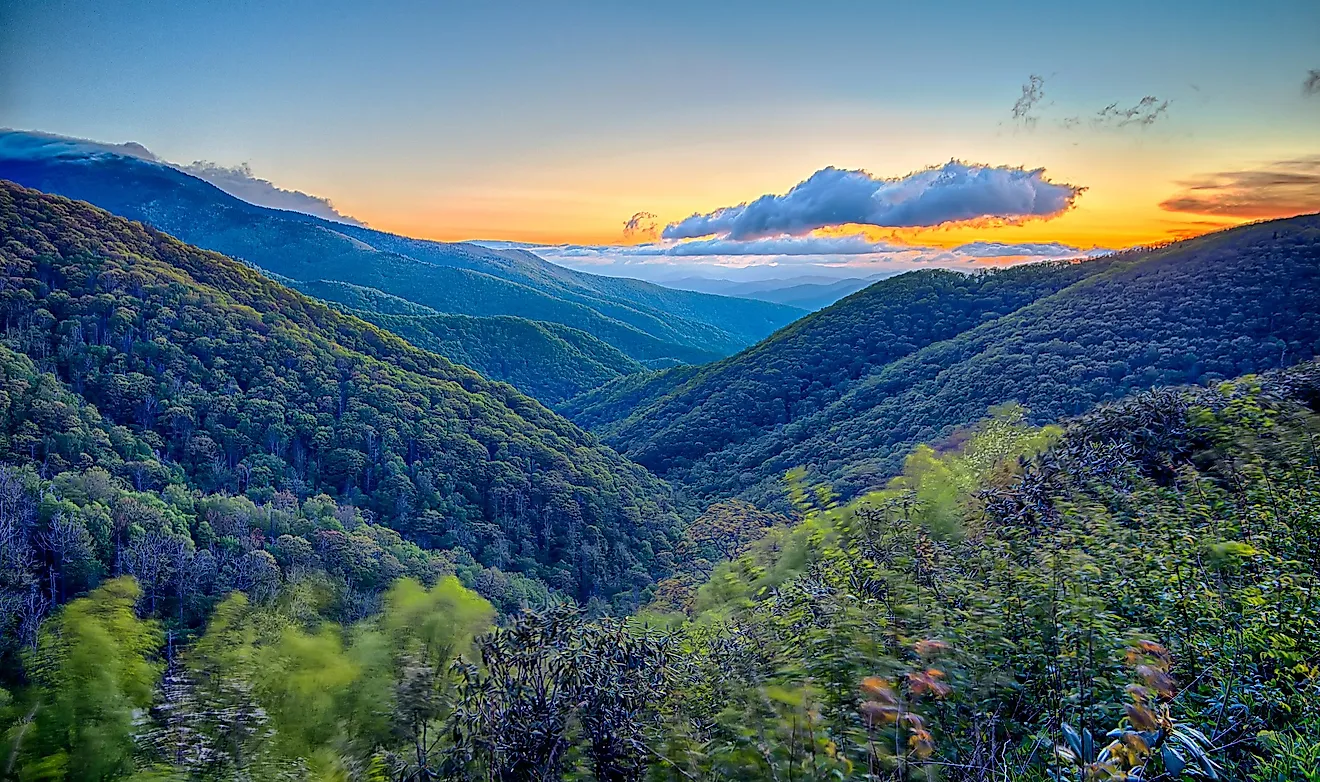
<point>547,361</point>
<point>245,386</point>
<point>645,321</point>
<point>1238,301</point>
<point>673,418</point>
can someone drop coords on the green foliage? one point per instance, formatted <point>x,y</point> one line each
<point>1193,522</point>
<point>94,670</point>
<point>1291,756</point>
<point>547,361</point>
<point>988,615</point>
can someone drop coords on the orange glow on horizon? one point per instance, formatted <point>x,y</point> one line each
<point>1075,228</point>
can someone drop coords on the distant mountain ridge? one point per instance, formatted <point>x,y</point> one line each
<point>646,322</point>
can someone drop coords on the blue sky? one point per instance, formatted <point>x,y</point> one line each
<point>554,122</point>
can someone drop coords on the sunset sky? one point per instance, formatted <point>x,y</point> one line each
<point>556,122</point>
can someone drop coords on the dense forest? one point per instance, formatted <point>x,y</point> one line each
<point>645,321</point>
<point>230,383</point>
<point>547,361</point>
<point>826,394</point>
<point>1127,595</point>
<point>682,415</point>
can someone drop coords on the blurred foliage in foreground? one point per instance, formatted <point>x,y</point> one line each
<point>1129,596</point>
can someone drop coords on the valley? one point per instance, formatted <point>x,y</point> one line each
<point>664,392</point>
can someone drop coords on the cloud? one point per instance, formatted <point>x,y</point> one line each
<point>1144,113</point>
<point>238,181</point>
<point>34,145</point>
<point>1033,92</point>
<point>840,256</point>
<point>853,244</point>
<point>1022,250</point>
<point>954,192</point>
<point>640,225</point>
<point>1281,189</point>
<point>1312,84</point>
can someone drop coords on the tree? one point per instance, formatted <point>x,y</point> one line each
<point>94,664</point>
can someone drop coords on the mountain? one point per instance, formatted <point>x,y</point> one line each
<point>239,385</point>
<point>807,292</point>
<point>672,418</point>
<point>811,296</point>
<point>547,361</point>
<point>851,388</point>
<point>646,322</point>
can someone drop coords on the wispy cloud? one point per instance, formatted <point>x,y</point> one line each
<point>1280,189</point>
<point>1033,92</point>
<point>1143,114</point>
<point>238,181</point>
<point>641,225</point>
<point>1311,86</point>
<point>1020,250</point>
<point>838,256</point>
<point>35,145</point>
<point>954,192</point>
<point>1031,107</point>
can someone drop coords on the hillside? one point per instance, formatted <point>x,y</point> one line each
<point>647,322</point>
<point>246,387</point>
<point>670,419</point>
<point>547,361</point>
<point>1127,595</point>
<point>1211,308</point>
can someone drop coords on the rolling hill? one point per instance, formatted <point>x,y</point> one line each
<point>850,389</point>
<point>646,322</point>
<point>547,361</point>
<point>194,365</point>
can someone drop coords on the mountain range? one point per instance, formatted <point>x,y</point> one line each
<point>166,365</point>
<point>382,394</point>
<point>649,323</point>
<point>849,390</point>
<point>807,292</point>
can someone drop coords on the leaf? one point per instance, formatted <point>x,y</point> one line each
<point>1173,762</point>
<point>1074,741</point>
<point>1207,766</point>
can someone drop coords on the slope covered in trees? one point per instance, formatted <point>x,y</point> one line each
<point>547,361</point>
<point>544,360</point>
<point>678,416</point>
<point>647,322</point>
<point>241,386</point>
<point>1196,311</point>
<point>1128,595</point>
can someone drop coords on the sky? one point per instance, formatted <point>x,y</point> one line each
<point>1073,126</point>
